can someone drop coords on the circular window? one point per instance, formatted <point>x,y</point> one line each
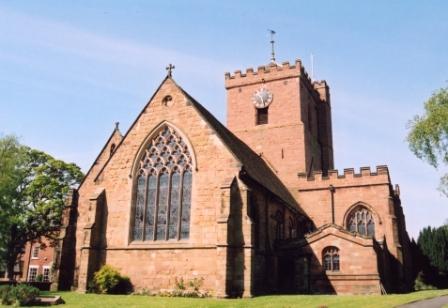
<point>167,100</point>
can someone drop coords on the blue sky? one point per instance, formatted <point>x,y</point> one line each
<point>70,69</point>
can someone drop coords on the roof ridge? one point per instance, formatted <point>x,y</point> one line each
<point>253,163</point>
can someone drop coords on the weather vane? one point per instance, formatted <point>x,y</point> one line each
<point>170,69</point>
<point>272,32</point>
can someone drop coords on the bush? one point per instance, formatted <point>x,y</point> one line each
<point>181,290</point>
<point>6,296</point>
<point>108,280</point>
<point>179,283</point>
<point>20,294</point>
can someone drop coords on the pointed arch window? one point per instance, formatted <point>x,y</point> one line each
<point>279,225</point>
<point>163,189</point>
<point>330,259</point>
<point>361,221</point>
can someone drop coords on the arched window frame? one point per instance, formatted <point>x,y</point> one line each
<point>370,218</point>
<point>331,259</point>
<point>159,166</point>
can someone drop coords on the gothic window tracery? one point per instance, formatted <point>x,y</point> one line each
<point>361,221</point>
<point>330,259</point>
<point>163,189</point>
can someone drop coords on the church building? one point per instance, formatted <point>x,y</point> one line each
<point>251,207</point>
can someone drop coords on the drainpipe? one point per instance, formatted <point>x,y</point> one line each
<point>29,262</point>
<point>332,191</point>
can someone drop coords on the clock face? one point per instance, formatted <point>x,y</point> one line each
<point>262,98</point>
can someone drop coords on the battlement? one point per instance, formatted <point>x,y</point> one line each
<point>322,89</point>
<point>267,73</point>
<point>365,176</point>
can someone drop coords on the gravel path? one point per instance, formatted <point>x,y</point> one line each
<point>435,302</point>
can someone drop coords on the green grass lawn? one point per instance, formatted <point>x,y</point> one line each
<point>74,299</point>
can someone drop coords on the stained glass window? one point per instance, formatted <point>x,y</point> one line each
<point>151,205</point>
<point>163,189</point>
<point>330,259</point>
<point>163,200</point>
<point>174,205</point>
<point>186,205</point>
<point>139,207</point>
<point>361,221</point>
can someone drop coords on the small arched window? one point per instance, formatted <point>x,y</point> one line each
<point>167,100</point>
<point>163,189</point>
<point>330,259</point>
<point>292,228</point>
<point>361,221</point>
<point>279,225</point>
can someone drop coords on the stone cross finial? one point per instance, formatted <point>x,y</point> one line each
<point>169,69</point>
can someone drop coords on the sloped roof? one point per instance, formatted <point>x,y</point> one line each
<point>325,231</point>
<point>115,132</point>
<point>255,167</point>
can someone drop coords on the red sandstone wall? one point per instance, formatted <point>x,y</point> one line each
<point>358,273</point>
<point>372,189</point>
<point>292,140</point>
<point>214,164</point>
<point>281,140</point>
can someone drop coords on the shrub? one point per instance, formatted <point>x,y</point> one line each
<point>181,290</point>
<point>25,294</point>
<point>421,284</point>
<point>20,294</point>
<point>179,283</point>
<point>196,283</point>
<point>109,280</point>
<point>6,296</point>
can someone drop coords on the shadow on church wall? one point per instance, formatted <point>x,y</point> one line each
<point>98,244</point>
<point>235,240</point>
<point>302,272</point>
<point>68,249</point>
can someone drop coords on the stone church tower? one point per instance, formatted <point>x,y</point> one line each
<point>292,130</point>
<point>252,208</point>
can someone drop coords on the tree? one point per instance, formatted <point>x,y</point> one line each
<point>433,259</point>
<point>428,137</point>
<point>33,189</point>
<point>9,181</point>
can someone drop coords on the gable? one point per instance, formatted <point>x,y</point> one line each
<point>105,154</point>
<point>336,231</point>
<point>170,99</point>
<point>176,112</point>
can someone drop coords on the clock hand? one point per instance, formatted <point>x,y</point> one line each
<point>262,99</point>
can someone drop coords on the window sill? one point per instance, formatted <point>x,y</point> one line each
<point>182,244</point>
<point>333,272</point>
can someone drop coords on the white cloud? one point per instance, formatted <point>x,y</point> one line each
<point>65,39</point>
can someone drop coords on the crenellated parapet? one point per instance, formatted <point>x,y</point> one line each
<point>365,176</point>
<point>322,89</point>
<point>270,72</point>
